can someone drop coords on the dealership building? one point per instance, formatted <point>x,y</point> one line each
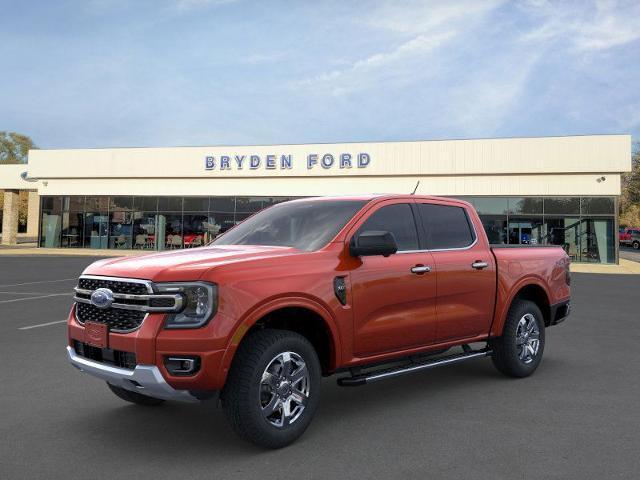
<point>546,190</point>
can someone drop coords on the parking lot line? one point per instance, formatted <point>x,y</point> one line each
<point>40,281</point>
<point>35,298</point>
<point>29,293</point>
<point>41,325</point>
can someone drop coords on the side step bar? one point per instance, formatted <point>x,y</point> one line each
<point>374,376</point>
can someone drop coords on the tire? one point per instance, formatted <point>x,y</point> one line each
<point>135,397</point>
<point>510,358</point>
<point>636,245</point>
<point>262,397</point>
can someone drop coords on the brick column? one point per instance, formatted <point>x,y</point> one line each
<point>10,217</point>
<point>33,214</point>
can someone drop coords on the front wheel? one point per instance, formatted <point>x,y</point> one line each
<point>518,352</point>
<point>636,245</point>
<point>273,388</point>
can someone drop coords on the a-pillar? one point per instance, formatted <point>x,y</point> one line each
<point>10,217</point>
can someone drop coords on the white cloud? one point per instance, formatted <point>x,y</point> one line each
<point>419,17</point>
<point>599,26</point>
<point>419,30</point>
<point>480,105</point>
<point>363,72</point>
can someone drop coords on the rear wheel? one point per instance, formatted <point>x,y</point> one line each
<point>518,352</point>
<point>273,388</point>
<point>135,397</point>
<point>636,245</point>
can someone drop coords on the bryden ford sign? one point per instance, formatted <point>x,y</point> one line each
<point>286,162</point>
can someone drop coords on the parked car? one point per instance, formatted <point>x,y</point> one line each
<point>630,237</point>
<point>367,287</point>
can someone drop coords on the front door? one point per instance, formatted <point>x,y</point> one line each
<point>394,297</point>
<point>466,272</point>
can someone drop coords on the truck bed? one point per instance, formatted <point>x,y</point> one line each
<point>543,266</point>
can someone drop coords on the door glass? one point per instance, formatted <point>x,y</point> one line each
<point>96,227</point>
<point>495,227</point>
<point>447,226</point>
<point>195,229</point>
<point>144,230</point>
<point>563,231</point>
<point>120,230</point>
<point>169,231</point>
<point>397,219</point>
<point>596,240</point>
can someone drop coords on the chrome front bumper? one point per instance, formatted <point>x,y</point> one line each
<point>144,379</point>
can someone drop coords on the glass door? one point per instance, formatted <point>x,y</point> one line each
<point>596,240</point>
<point>96,227</point>
<point>566,232</point>
<point>525,231</point>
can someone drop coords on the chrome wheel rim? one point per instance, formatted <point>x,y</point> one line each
<point>527,338</point>
<point>284,389</point>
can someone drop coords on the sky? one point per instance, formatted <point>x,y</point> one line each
<point>116,73</point>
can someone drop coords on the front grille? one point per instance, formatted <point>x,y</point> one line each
<point>116,286</point>
<point>117,358</point>
<point>118,319</point>
<point>127,305</point>
<point>162,302</point>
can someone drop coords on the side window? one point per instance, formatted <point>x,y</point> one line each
<point>397,219</point>
<point>446,226</point>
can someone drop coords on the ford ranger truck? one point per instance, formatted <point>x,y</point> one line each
<point>367,287</point>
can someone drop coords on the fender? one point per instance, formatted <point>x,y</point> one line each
<point>252,316</point>
<point>501,315</point>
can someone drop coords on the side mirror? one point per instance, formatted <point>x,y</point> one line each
<point>373,242</point>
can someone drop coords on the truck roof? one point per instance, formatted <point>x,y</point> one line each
<point>377,196</point>
<point>383,196</point>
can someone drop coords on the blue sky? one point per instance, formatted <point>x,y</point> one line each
<point>105,73</point>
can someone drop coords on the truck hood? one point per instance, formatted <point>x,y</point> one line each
<point>183,265</point>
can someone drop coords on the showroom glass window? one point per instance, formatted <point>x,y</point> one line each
<point>493,215</point>
<point>50,222</point>
<point>584,227</point>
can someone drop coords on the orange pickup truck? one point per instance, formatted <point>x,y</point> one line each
<point>367,287</point>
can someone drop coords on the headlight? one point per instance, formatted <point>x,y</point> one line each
<point>200,302</point>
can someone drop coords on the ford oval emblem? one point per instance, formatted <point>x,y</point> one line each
<point>102,298</point>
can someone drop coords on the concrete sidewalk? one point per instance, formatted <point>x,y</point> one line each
<point>626,267</point>
<point>75,252</point>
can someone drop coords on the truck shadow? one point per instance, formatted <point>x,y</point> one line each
<point>197,431</point>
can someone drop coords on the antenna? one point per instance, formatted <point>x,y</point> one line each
<point>415,189</point>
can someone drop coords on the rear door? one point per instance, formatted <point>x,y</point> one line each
<point>394,297</point>
<point>466,271</point>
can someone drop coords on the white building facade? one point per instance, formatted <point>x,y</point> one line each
<point>560,190</point>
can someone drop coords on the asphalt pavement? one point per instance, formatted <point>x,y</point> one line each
<point>629,253</point>
<point>577,417</point>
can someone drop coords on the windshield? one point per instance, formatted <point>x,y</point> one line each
<point>302,225</point>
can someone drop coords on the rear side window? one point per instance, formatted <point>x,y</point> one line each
<point>397,219</point>
<point>446,226</point>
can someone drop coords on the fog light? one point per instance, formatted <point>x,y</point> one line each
<point>182,366</point>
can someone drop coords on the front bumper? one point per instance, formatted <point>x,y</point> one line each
<point>560,312</point>
<point>144,379</point>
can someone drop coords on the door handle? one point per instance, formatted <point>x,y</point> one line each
<point>479,265</point>
<point>420,269</point>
